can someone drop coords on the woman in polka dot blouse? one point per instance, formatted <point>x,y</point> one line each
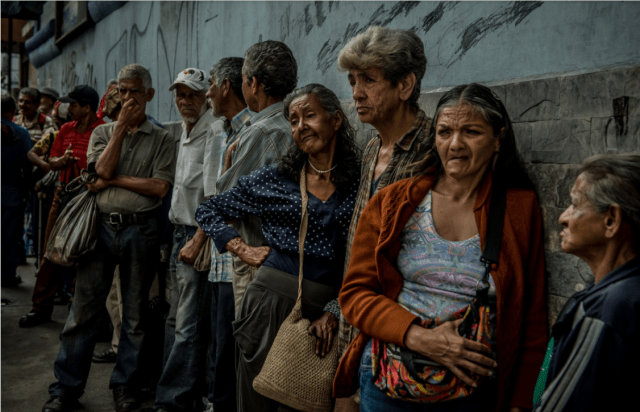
<point>325,146</point>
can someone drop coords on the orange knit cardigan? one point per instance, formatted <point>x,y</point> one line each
<point>372,284</point>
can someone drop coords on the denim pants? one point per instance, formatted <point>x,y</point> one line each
<point>222,367</point>
<point>187,333</point>
<point>372,399</point>
<point>134,248</point>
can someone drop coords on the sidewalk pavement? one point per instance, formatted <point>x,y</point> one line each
<point>28,354</point>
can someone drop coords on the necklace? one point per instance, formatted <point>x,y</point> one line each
<point>321,171</point>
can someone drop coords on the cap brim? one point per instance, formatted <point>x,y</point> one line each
<point>67,99</point>
<point>190,85</point>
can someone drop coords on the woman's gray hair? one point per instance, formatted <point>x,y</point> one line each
<point>397,52</point>
<point>31,92</point>
<point>112,82</point>
<point>615,180</point>
<point>229,68</point>
<point>136,71</point>
<point>272,62</point>
<point>347,154</point>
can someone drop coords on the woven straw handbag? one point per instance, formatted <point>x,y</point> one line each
<point>293,374</point>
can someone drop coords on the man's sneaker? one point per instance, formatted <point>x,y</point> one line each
<point>34,318</point>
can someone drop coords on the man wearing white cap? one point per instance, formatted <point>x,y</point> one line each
<point>188,325</point>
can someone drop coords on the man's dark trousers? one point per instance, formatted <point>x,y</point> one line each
<point>134,247</point>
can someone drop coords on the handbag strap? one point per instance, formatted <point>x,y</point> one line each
<point>495,224</point>
<point>304,223</point>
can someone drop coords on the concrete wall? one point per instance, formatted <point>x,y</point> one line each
<point>568,72</point>
<point>559,122</point>
<point>465,41</point>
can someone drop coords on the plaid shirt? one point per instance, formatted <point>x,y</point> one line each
<point>222,263</point>
<point>409,149</point>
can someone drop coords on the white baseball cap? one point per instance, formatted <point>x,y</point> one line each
<point>195,79</point>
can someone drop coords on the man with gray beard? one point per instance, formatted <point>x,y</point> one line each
<point>188,324</point>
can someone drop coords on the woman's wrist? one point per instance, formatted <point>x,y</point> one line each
<point>333,307</point>
<point>235,245</point>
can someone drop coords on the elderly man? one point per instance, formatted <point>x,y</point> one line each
<point>385,69</point>
<point>68,155</point>
<point>37,124</point>
<point>135,164</point>
<point>188,324</point>
<point>227,100</point>
<point>269,73</point>
<point>593,355</point>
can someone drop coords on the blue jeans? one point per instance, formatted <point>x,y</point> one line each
<point>134,248</point>
<point>187,333</point>
<point>372,399</point>
<point>222,367</point>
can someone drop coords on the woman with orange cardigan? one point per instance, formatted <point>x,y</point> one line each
<point>416,256</point>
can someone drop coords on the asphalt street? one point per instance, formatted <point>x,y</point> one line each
<point>28,355</point>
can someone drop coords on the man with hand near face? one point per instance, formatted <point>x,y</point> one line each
<point>188,324</point>
<point>69,155</point>
<point>135,167</point>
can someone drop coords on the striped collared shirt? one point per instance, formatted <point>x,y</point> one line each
<point>222,263</point>
<point>262,142</point>
<point>409,149</point>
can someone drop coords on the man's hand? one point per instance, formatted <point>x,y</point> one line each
<point>98,185</point>
<point>130,114</point>
<point>228,156</point>
<point>58,163</point>
<point>189,252</point>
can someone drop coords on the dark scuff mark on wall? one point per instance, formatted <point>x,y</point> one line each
<point>435,16</point>
<point>284,24</point>
<point>210,18</point>
<point>621,115</point>
<point>308,25</point>
<point>477,30</point>
<point>333,3</point>
<point>320,17</point>
<point>399,8</point>
<point>380,17</point>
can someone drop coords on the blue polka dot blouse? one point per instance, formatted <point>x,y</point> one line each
<point>276,200</point>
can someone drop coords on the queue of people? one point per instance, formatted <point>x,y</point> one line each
<point>396,241</point>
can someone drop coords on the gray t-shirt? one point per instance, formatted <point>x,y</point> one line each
<point>148,153</point>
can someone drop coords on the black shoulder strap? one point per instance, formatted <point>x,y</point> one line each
<point>495,222</point>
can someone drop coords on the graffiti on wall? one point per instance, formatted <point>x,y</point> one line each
<point>169,36</point>
<point>468,35</point>
<point>71,78</point>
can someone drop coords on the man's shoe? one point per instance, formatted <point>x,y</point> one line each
<point>34,318</point>
<point>125,400</point>
<point>108,356</point>
<point>59,404</point>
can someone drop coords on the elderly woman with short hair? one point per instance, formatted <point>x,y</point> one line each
<point>385,68</point>
<point>416,261</point>
<point>326,151</point>
<point>593,353</point>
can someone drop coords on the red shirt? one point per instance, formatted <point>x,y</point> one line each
<point>69,135</point>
